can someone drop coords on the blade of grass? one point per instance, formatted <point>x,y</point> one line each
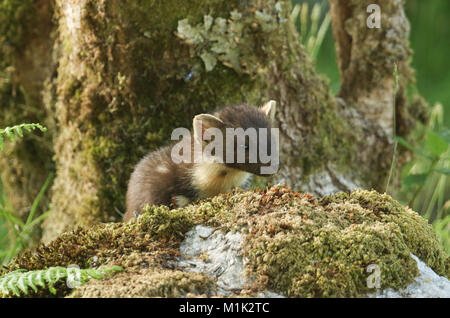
<point>321,35</point>
<point>394,128</point>
<point>304,21</point>
<point>38,198</point>
<point>419,152</point>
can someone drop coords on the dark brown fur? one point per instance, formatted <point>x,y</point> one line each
<point>157,180</point>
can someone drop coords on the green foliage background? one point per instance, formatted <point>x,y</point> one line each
<point>430,34</point>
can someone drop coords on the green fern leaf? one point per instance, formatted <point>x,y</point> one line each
<point>18,130</point>
<point>48,276</point>
<point>75,276</point>
<point>7,282</point>
<point>9,134</point>
<point>12,132</point>
<point>60,273</point>
<point>4,286</point>
<point>112,269</point>
<point>12,281</point>
<point>94,274</point>
<point>39,278</point>
<point>52,289</point>
<point>21,283</point>
<point>30,282</point>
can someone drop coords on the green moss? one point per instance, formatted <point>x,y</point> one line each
<point>13,17</point>
<point>295,244</point>
<point>447,267</point>
<point>414,228</point>
<point>305,248</point>
<point>149,283</point>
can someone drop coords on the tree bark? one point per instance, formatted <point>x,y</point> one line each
<point>120,75</point>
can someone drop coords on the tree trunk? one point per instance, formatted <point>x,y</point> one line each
<point>115,77</point>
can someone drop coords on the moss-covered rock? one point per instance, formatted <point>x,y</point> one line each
<point>294,245</point>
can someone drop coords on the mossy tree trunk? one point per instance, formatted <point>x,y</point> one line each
<point>115,77</point>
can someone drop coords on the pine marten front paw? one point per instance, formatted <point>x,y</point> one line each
<point>173,203</point>
<point>179,201</point>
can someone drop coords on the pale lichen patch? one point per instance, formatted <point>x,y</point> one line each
<point>228,40</point>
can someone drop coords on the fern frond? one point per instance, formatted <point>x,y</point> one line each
<point>19,282</point>
<point>11,284</point>
<point>17,130</point>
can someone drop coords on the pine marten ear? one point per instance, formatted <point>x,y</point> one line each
<point>204,121</point>
<point>269,109</point>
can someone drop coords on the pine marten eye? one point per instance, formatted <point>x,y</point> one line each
<point>246,143</point>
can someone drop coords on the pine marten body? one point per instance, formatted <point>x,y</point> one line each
<point>158,180</point>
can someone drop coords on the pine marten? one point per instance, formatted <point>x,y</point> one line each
<point>159,180</point>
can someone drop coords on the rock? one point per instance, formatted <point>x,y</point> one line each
<point>427,285</point>
<point>216,254</point>
<point>206,250</point>
<point>270,243</point>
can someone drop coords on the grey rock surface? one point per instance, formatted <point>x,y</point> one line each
<point>427,285</point>
<point>209,250</point>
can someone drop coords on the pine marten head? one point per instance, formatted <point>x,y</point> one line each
<point>240,137</point>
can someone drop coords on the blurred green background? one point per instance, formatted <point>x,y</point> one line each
<point>430,41</point>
